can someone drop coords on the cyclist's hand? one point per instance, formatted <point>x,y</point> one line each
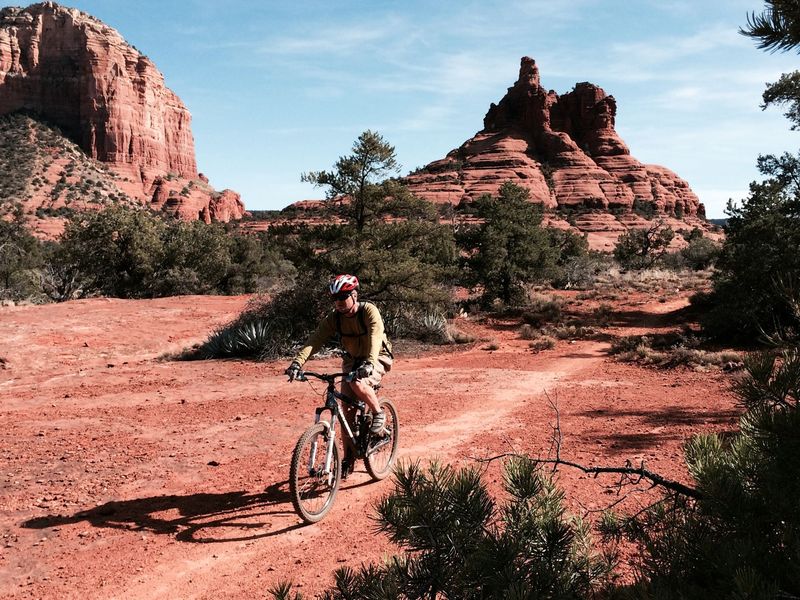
<point>293,371</point>
<point>364,371</point>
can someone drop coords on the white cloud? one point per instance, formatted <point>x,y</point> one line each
<point>716,199</point>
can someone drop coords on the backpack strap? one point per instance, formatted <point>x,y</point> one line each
<point>362,323</point>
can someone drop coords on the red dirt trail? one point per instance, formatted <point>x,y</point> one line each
<point>106,490</point>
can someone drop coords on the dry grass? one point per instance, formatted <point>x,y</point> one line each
<point>543,343</point>
<point>672,350</point>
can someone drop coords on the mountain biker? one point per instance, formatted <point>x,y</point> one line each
<point>367,351</point>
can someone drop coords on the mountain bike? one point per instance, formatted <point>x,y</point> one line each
<point>316,468</point>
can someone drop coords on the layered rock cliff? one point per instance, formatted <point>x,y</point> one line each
<point>73,71</point>
<point>565,151</point>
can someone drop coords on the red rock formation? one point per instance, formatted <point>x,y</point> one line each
<point>78,73</point>
<point>564,149</point>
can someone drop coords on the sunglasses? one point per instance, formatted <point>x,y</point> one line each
<point>341,297</point>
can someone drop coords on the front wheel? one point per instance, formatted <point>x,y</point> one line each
<point>382,448</point>
<point>313,487</point>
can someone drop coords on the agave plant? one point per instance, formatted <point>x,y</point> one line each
<point>242,339</point>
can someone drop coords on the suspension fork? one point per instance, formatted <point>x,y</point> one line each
<point>330,406</point>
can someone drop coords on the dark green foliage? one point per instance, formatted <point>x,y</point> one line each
<point>133,253</point>
<point>510,249</point>
<point>701,253</point>
<point>741,539</point>
<point>356,177</point>
<point>755,286</point>
<point>777,28</point>
<point>644,208</point>
<point>21,255</point>
<point>643,248</point>
<point>459,544</point>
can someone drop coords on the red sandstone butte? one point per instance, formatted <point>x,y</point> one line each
<point>78,73</point>
<point>565,151</point>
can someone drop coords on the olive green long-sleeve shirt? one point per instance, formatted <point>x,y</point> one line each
<point>362,338</point>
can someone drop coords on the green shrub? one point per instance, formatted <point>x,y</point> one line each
<point>701,253</point>
<point>458,544</point>
<point>21,256</point>
<point>135,253</point>
<point>509,249</point>
<point>542,309</point>
<point>273,327</point>
<point>643,248</point>
<point>542,343</point>
<point>756,280</point>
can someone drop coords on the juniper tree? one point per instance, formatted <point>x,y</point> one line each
<point>356,178</point>
<point>510,248</point>
<point>643,248</point>
<point>758,272</point>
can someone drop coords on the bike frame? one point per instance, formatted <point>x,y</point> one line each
<point>332,396</point>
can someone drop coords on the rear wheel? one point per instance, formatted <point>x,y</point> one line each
<point>382,448</point>
<point>312,487</point>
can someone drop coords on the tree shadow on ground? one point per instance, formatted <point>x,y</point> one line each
<point>644,319</point>
<point>196,518</point>
<point>662,421</point>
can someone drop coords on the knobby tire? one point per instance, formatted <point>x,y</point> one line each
<point>312,496</point>
<point>379,465</point>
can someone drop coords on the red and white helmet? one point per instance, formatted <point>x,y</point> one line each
<point>342,283</point>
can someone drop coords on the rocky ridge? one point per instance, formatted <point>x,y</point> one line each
<point>565,150</point>
<point>72,71</point>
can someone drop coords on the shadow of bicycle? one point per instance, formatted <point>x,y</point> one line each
<point>196,518</point>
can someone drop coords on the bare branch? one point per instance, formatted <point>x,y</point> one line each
<point>654,478</point>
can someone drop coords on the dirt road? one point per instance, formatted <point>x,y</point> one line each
<point>125,475</point>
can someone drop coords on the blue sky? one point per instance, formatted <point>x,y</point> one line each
<point>279,88</point>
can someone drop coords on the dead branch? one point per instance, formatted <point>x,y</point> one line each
<point>627,470</point>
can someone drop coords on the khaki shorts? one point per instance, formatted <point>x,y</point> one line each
<point>378,371</point>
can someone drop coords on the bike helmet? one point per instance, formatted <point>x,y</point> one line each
<point>342,283</point>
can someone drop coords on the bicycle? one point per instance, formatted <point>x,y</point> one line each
<point>316,468</point>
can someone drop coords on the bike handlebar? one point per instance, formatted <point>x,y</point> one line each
<point>330,378</point>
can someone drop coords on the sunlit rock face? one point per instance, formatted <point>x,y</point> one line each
<point>564,150</point>
<point>73,71</point>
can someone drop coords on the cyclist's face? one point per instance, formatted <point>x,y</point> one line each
<point>345,303</point>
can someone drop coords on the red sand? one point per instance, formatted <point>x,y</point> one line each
<point>107,491</point>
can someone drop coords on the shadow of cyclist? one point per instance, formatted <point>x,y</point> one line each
<point>197,518</point>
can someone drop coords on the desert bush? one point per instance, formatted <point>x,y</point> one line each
<point>133,253</point>
<point>602,314</point>
<point>271,327</point>
<point>431,326</point>
<point>670,350</point>
<point>542,343</point>
<point>643,248</point>
<point>569,331</point>
<point>458,544</point>
<point>580,272</point>
<point>21,256</point>
<point>541,309</point>
<point>701,253</point>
